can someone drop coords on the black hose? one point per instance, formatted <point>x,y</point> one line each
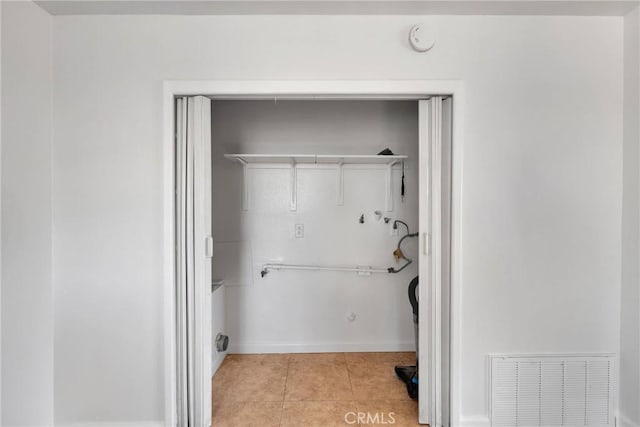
<point>409,260</point>
<point>397,221</point>
<point>404,237</point>
<point>413,299</point>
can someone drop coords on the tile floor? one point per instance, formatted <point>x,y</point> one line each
<point>305,390</point>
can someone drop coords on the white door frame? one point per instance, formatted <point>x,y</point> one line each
<point>312,89</point>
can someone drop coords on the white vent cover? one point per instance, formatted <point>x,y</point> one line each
<point>552,390</point>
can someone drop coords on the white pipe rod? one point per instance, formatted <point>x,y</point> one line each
<point>268,267</point>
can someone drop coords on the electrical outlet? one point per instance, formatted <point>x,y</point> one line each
<point>299,231</point>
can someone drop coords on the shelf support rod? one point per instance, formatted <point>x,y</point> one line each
<point>340,182</point>
<point>389,189</point>
<point>361,270</point>
<point>294,185</point>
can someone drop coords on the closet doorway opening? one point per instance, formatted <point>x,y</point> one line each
<point>287,215</point>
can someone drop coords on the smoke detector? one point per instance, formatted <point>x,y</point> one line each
<point>421,38</point>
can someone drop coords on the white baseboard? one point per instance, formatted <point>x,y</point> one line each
<point>477,421</point>
<point>114,424</point>
<point>624,421</point>
<point>240,348</point>
<point>217,361</point>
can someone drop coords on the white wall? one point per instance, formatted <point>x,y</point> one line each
<point>307,311</point>
<point>630,309</point>
<point>218,326</point>
<point>27,294</point>
<point>541,217</point>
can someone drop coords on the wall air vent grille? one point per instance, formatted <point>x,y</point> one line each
<point>552,390</point>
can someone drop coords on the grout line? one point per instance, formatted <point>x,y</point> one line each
<point>353,396</point>
<point>284,392</point>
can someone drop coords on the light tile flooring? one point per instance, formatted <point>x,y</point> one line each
<point>305,390</point>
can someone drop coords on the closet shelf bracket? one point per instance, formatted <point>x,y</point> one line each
<point>340,181</point>
<point>389,189</point>
<point>245,184</point>
<point>294,185</point>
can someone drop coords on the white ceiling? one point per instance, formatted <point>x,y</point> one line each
<point>338,7</point>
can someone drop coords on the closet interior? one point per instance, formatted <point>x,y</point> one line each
<point>315,221</point>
